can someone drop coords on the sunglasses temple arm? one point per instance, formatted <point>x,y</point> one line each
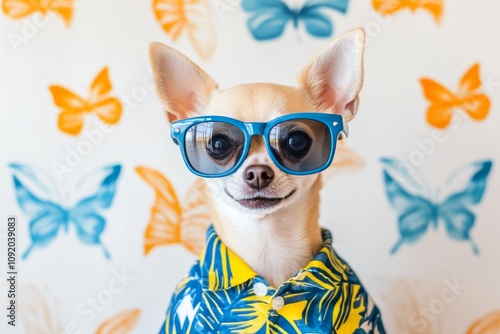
<point>345,128</point>
<point>174,140</point>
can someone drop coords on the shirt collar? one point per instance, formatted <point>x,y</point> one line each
<point>221,268</point>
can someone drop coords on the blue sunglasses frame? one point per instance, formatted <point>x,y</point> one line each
<point>335,123</point>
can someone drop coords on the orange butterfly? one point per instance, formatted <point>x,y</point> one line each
<point>174,223</point>
<point>389,7</point>
<point>190,16</point>
<point>18,9</point>
<point>443,102</point>
<point>489,324</point>
<point>74,108</point>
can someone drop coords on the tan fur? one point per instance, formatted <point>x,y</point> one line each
<point>276,242</point>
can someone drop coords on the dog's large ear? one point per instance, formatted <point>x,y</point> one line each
<point>183,87</point>
<point>334,77</point>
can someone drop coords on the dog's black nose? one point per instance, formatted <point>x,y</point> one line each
<point>258,176</point>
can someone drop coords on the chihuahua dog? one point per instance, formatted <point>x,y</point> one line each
<point>267,267</point>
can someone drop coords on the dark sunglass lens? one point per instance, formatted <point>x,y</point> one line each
<point>213,147</point>
<point>301,145</point>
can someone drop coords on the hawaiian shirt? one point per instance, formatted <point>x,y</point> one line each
<point>222,294</point>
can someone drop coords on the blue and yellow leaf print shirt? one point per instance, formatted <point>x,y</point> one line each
<point>222,294</point>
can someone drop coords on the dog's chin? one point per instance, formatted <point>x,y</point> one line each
<point>260,203</point>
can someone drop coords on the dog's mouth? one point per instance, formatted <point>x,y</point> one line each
<point>260,202</point>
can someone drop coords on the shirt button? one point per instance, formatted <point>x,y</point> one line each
<point>278,303</point>
<point>260,289</point>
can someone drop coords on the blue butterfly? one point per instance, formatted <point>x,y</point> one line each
<point>270,17</point>
<point>417,210</point>
<point>40,201</point>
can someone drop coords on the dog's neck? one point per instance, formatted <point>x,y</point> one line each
<point>275,246</point>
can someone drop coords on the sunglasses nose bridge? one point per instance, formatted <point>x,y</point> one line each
<point>256,135</point>
<point>255,128</point>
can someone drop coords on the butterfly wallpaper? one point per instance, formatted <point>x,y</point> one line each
<point>110,220</point>
<point>99,103</point>
<point>418,211</point>
<point>19,9</point>
<point>191,18</point>
<point>268,18</point>
<point>50,212</point>
<point>444,103</point>
<point>390,7</point>
<point>173,221</point>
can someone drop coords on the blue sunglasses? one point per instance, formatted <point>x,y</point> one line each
<point>299,144</point>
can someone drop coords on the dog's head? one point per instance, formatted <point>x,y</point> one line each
<point>330,82</point>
